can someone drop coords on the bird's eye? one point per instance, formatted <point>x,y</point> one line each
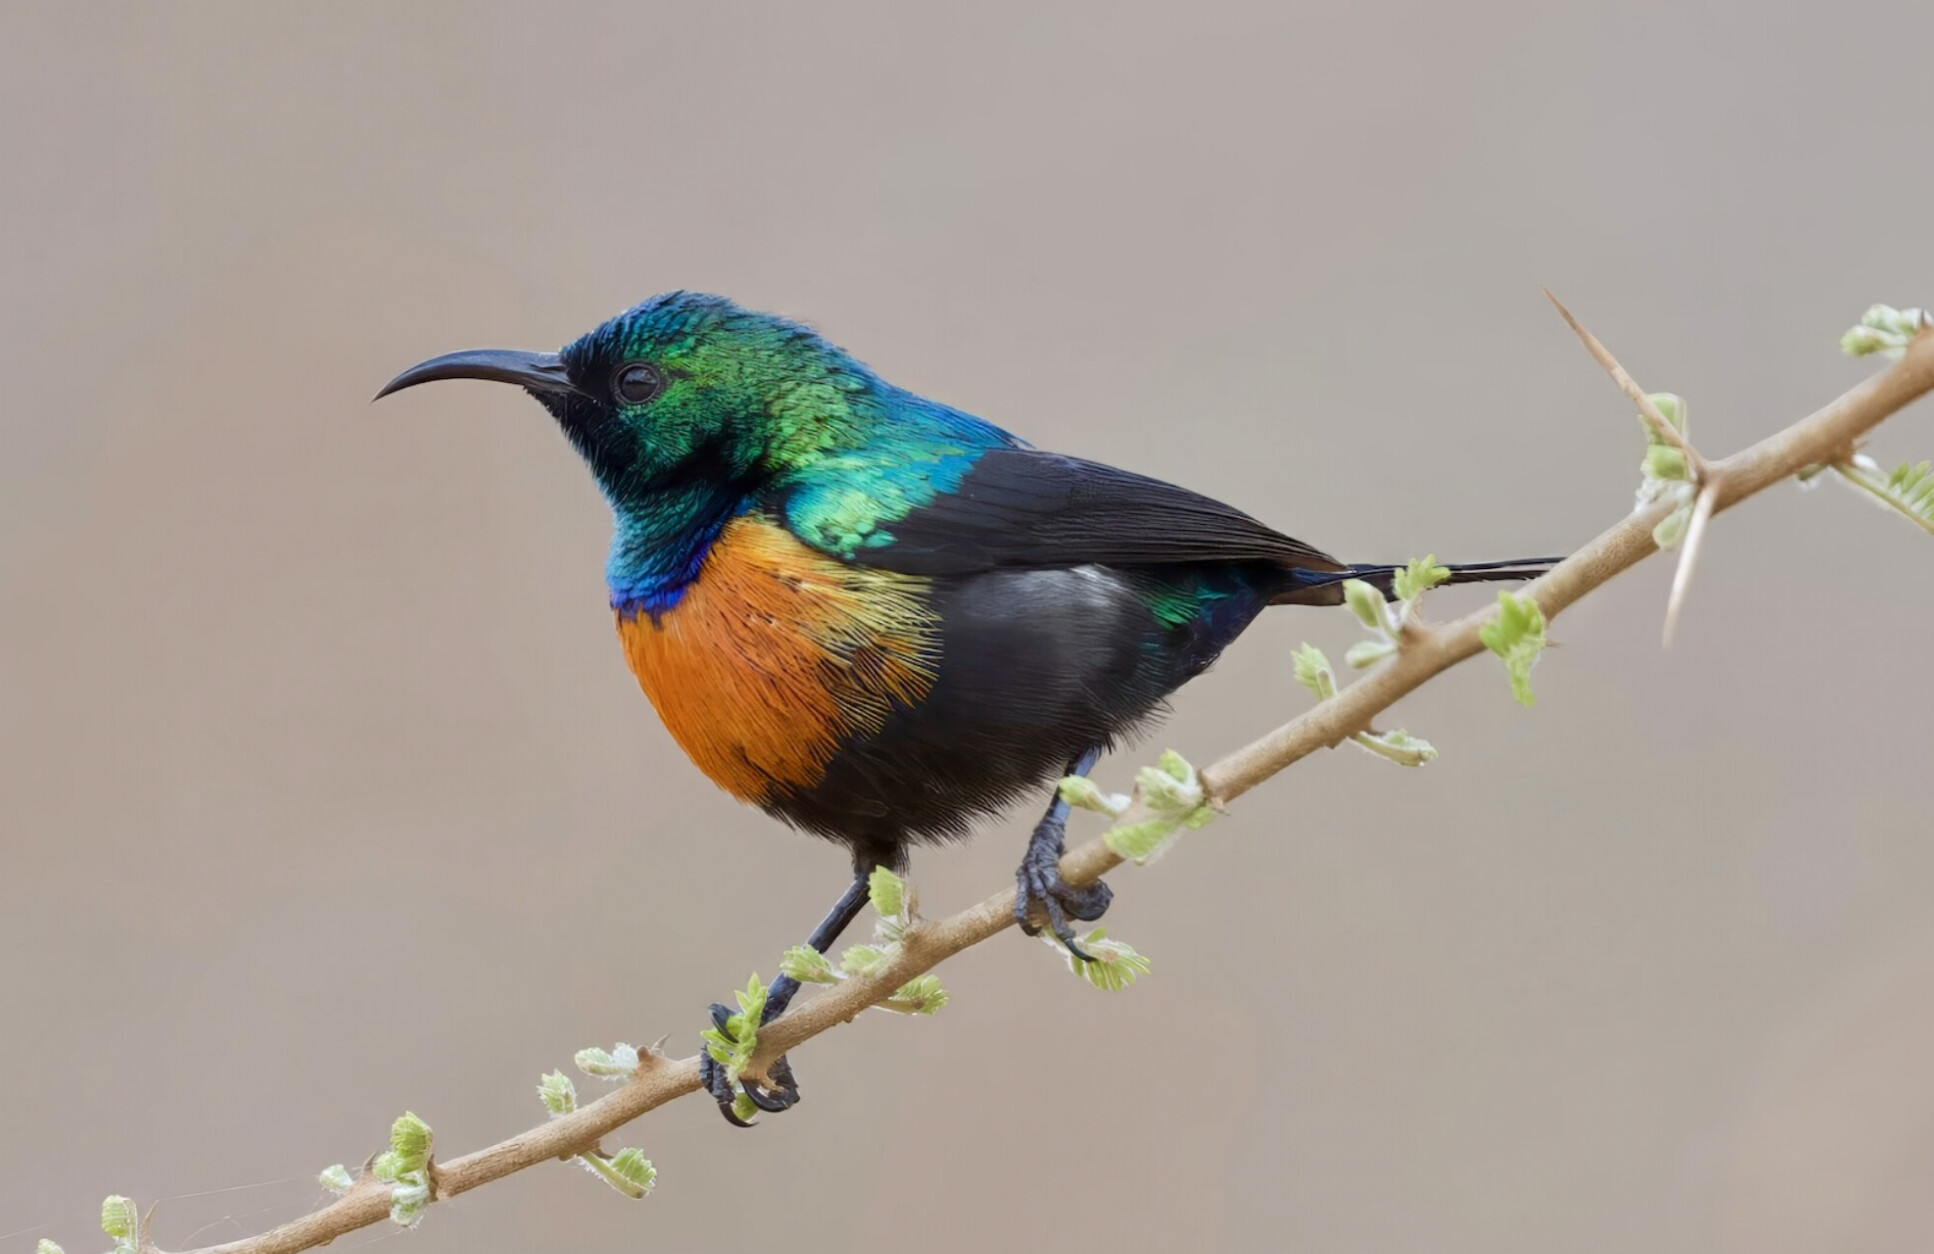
<point>636,383</point>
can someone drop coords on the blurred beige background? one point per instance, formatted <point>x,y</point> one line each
<point>326,792</point>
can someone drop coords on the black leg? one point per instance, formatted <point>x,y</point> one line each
<point>837,920</point>
<point>784,1092</point>
<point>1038,882</point>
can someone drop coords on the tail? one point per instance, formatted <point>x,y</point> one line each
<point>1325,587</point>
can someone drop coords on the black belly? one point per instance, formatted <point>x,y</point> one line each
<point>1037,667</point>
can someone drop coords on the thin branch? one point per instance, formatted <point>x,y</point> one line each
<point>1812,440</point>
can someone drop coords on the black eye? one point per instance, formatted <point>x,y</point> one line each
<point>636,383</point>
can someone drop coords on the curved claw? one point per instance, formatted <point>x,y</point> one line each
<point>1023,899</point>
<point>1089,902</point>
<point>1034,886</point>
<point>1073,948</point>
<point>782,1079</point>
<point>713,1077</point>
<point>781,1097</point>
<point>1059,901</point>
<point>773,1103</point>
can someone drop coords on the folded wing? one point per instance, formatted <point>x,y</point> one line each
<point>1020,507</point>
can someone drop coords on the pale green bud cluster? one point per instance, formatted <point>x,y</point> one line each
<point>1908,489</point>
<point>733,1048</point>
<point>1111,966</point>
<point>1663,474</point>
<point>1172,793</point>
<point>628,1171</point>
<point>1517,635</point>
<point>1885,330</point>
<point>619,1062</point>
<point>1314,673</point>
<point>405,1167</point>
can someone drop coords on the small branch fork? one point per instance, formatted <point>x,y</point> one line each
<point>1428,650</point>
<point>1698,470</point>
<point>1695,464</point>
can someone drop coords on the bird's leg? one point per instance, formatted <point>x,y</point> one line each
<point>1038,882</point>
<point>784,1092</point>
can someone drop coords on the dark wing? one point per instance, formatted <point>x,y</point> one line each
<point>1020,507</point>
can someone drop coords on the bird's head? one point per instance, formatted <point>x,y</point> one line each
<point>684,386</point>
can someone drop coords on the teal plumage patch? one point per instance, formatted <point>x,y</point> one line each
<point>1179,604</point>
<point>847,502</point>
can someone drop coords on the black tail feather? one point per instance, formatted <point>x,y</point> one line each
<point>1323,587</point>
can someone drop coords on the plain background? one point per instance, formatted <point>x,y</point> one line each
<point>326,793</point>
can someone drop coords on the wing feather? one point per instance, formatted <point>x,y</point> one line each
<point>1020,507</point>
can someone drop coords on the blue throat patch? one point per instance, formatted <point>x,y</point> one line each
<point>647,571</point>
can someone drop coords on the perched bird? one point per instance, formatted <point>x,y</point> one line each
<point>878,617</point>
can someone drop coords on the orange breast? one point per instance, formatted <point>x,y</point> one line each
<point>776,653</point>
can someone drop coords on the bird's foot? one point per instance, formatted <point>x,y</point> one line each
<point>1040,892</point>
<point>779,1093</point>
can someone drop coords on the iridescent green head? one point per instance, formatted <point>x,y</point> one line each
<point>686,386</point>
<point>689,409</point>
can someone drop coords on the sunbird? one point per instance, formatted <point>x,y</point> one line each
<point>878,617</point>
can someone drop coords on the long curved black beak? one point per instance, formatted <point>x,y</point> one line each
<point>540,372</point>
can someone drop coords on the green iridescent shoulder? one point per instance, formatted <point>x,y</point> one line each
<point>848,502</point>
<point>845,500</point>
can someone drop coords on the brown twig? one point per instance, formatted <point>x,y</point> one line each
<point>1434,649</point>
